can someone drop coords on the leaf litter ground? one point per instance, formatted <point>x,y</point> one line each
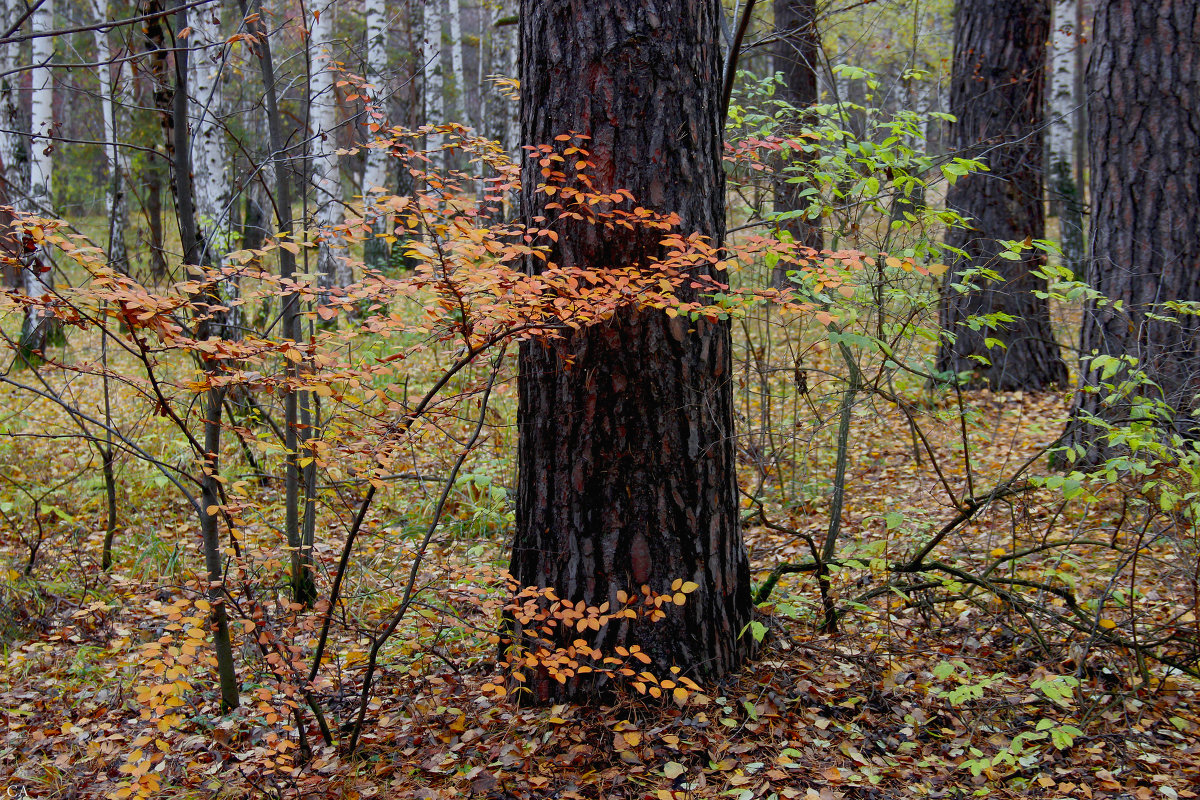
<point>953,699</point>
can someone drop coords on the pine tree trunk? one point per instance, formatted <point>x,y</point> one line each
<point>1065,197</point>
<point>796,55</point>
<point>626,453</point>
<point>997,96</point>
<point>1144,113</point>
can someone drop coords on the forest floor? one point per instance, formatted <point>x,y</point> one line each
<point>907,700</point>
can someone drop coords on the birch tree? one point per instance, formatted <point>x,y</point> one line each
<point>375,173</point>
<point>433,96</point>
<point>210,160</point>
<point>38,274</point>
<point>1065,195</point>
<point>459,112</point>
<point>12,153</point>
<point>332,267</point>
<point>109,74</point>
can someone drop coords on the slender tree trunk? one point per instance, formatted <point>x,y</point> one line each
<point>1144,113</point>
<point>375,174</point>
<point>210,498</point>
<point>116,207</point>
<point>13,158</point>
<point>1065,196</point>
<point>509,110</point>
<point>626,451</point>
<point>459,91</point>
<point>210,164</point>
<point>295,426</point>
<point>434,94</point>
<point>797,55</point>
<point>38,273</point>
<point>332,266</point>
<point>997,96</point>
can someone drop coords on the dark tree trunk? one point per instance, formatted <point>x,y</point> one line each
<point>997,95</point>
<point>796,55</point>
<point>626,450</point>
<point>1144,114</point>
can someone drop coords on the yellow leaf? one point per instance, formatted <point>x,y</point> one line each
<point>893,262</point>
<point>680,694</point>
<point>937,269</point>
<point>1107,624</point>
<point>999,552</point>
<point>689,587</point>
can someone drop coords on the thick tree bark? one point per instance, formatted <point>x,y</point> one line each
<point>626,452</point>
<point>1144,115</point>
<point>997,96</point>
<point>797,54</point>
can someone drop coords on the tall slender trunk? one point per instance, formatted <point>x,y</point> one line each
<point>13,158</point>
<point>116,207</point>
<point>210,161</point>
<point>210,498</point>
<point>38,273</point>
<point>375,175</point>
<point>434,94</point>
<point>797,55</point>
<point>295,427</point>
<point>1065,196</point>
<point>459,112</point>
<point>332,266</point>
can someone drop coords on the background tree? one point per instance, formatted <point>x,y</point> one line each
<point>626,451</point>
<point>1066,197</point>
<point>1143,83</point>
<point>39,273</point>
<point>797,54</point>
<point>997,96</point>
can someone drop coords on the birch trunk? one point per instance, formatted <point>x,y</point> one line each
<point>39,277</point>
<point>115,206</point>
<point>375,174</point>
<point>458,93</point>
<point>431,60</point>
<point>1065,196</point>
<point>12,153</point>
<point>332,267</point>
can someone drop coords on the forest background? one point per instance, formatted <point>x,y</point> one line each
<point>271,272</point>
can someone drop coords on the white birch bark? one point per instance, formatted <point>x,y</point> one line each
<point>332,267</point>
<point>375,174</point>
<point>434,95</point>
<point>459,111</point>
<point>11,151</point>
<point>39,277</point>
<point>210,159</point>
<point>1064,194</point>
<point>115,206</point>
